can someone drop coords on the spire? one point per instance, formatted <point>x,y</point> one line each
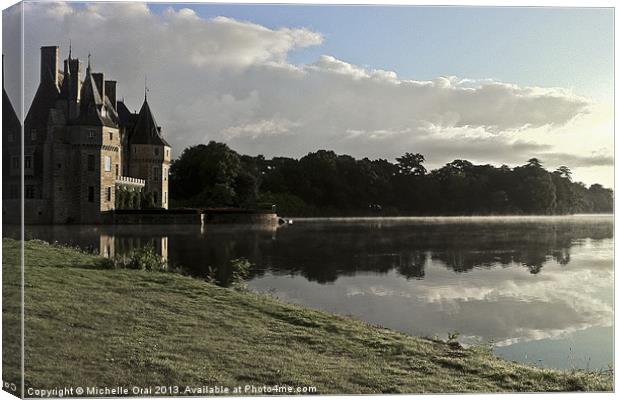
<point>145,88</point>
<point>88,66</point>
<point>69,49</point>
<point>146,130</point>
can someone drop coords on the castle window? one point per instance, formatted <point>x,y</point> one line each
<point>33,134</point>
<point>116,166</point>
<point>111,135</point>
<point>91,133</point>
<point>156,174</point>
<point>108,163</point>
<point>11,137</point>
<point>156,149</point>
<point>15,162</point>
<point>167,153</point>
<point>165,197</point>
<point>165,174</point>
<point>27,162</point>
<point>29,192</point>
<point>91,194</point>
<point>109,196</point>
<point>91,162</point>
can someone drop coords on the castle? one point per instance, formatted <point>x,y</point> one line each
<point>83,148</point>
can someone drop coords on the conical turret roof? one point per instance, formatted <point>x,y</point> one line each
<point>146,130</point>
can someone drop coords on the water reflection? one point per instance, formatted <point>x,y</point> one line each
<point>518,282</point>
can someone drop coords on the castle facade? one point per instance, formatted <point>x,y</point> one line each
<point>83,148</point>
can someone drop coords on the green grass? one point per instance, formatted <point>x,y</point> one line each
<point>88,326</point>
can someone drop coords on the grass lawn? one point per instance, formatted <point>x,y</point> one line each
<point>87,326</point>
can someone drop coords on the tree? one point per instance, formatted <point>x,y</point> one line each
<point>534,162</point>
<point>205,175</point>
<point>411,164</point>
<point>601,198</point>
<point>324,183</point>
<point>564,172</point>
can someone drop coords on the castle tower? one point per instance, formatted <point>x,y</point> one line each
<point>39,127</point>
<point>149,156</point>
<point>96,147</point>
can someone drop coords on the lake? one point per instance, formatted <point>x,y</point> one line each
<point>539,288</point>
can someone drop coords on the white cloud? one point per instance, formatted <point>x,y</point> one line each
<point>272,127</point>
<point>229,80</point>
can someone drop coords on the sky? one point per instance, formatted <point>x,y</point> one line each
<point>488,84</point>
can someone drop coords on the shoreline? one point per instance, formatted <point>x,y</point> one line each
<point>459,218</point>
<point>136,318</point>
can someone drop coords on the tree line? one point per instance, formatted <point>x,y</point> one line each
<point>324,183</point>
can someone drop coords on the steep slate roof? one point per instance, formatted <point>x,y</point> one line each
<point>67,91</point>
<point>92,105</point>
<point>44,100</point>
<point>146,129</point>
<point>126,118</point>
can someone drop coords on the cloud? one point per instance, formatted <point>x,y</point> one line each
<point>592,160</point>
<point>230,80</point>
<point>273,127</point>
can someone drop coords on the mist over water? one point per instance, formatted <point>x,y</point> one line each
<point>539,288</point>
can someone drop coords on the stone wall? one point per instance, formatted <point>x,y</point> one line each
<point>145,158</point>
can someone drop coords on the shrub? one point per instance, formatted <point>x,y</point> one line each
<point>142,258</point>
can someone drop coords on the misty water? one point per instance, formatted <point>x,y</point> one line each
<point>539,288</point>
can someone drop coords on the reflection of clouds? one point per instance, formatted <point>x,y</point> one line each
<point>507,305</point>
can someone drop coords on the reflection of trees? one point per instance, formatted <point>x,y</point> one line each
<point>322,252</point>
<point>528,244</point>
<point>413,267</point>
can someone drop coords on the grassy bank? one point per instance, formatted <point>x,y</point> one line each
<point>87,326</point>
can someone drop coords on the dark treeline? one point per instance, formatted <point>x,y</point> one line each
<point>324,183</point>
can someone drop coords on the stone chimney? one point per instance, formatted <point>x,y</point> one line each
<point>98,78</point>
<point>110,90</point>
<point>49,64</point>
